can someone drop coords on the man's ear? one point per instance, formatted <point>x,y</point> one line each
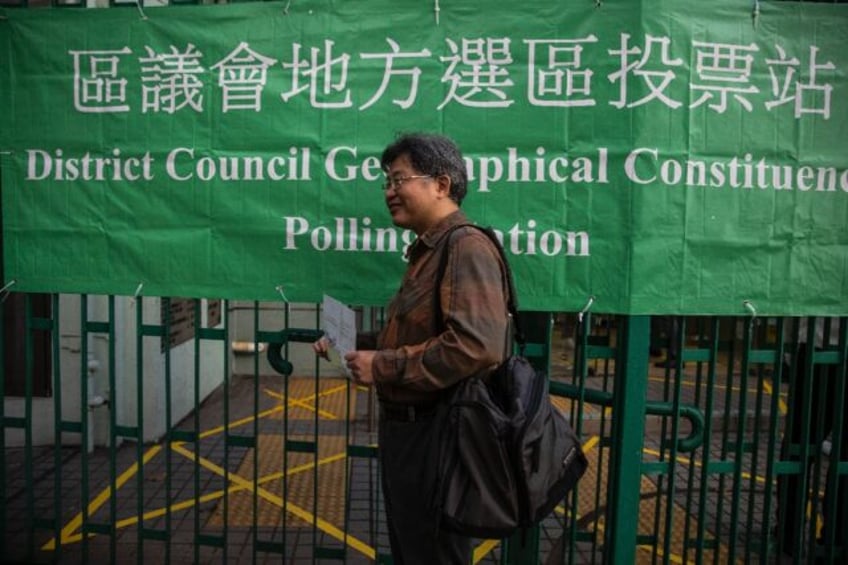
<point>444,188</point>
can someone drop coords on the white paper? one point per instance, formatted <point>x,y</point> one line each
<point>339,325</point>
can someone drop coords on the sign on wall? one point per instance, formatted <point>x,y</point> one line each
<point>661,157</point>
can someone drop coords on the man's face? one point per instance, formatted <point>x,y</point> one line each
<point>413,202</point>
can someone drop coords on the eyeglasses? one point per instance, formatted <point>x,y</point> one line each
<point>397,182</point>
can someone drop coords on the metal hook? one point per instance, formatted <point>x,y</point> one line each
<point>750,307</point>
<point>286,9</point>
<point>283,294</point>
<point>4,292</point>
<point>585,309</point>
<point>755,14</point>
<point>437,9</point>
<point>137,292</point>
<point>140,11</point>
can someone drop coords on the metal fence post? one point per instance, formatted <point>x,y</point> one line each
<point>629,402</point>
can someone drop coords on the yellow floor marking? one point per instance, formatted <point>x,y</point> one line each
<point>67,534</point>
<point>692,384</point>
<point>564,404</point>
<point>270,411</point>
<point>302,404</point>
<point>687,461</point>
<point>597,477</point>
<point>271,457</point>
<point>101,498</point>
<point>238,423</point>
<point>297,511</point>
<point>673,557</point>
<point>311,402</point>
<point>241,484</point>
<point>767,387</point>
<point>781,404</point>
<point>591,443</point>
<point>186,504</point>
<point>159,512</point>
<point>483,550</point>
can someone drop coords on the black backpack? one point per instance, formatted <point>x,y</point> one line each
<point>506,456</point>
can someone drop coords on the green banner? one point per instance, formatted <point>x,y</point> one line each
<point>654,156</point>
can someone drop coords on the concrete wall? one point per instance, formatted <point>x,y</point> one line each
<point>96,369</point>
<point>212,366</point>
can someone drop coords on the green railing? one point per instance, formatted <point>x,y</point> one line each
<point>219,437</point>
<point>210,450</point>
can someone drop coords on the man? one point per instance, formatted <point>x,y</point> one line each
<point>415,359</point>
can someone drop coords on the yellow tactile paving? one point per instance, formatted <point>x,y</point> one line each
<point>299,486</point>
<point>332,404</point>
<point>320,523</point>
<point>332,394</point>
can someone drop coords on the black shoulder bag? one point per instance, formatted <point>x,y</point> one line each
<point>506,456</point>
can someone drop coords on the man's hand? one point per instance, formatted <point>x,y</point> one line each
<point>360,365</point>
<point>322,348</point>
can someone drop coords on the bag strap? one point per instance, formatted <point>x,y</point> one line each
<point>512,299</point>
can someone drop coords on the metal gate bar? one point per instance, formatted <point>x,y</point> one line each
<point>686,460</point>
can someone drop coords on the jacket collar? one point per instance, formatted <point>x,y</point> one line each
<point>433,236</point>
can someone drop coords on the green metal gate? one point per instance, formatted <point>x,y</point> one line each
<point>275,456</point>
<point>142,429</point>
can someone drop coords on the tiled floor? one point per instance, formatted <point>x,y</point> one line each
<point>197,502</point>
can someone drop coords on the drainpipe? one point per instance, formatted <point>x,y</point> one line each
<point>94,400</point>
